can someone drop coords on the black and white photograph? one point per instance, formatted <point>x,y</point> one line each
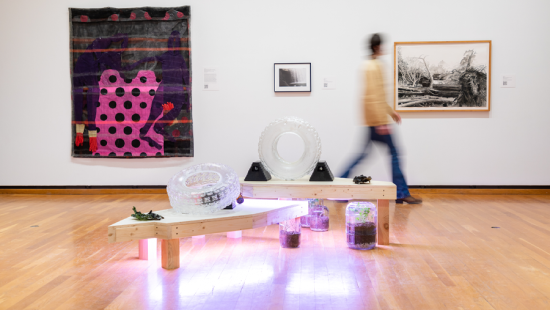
<point>292,77</point>
<point>442,76</point>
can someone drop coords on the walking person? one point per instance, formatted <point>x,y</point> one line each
<point>376,117</point>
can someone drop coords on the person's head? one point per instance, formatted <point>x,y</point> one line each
<point>375,44</point>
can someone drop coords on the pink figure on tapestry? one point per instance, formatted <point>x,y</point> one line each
<point>124,108</point>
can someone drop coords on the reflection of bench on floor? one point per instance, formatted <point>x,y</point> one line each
<point>251,214</point>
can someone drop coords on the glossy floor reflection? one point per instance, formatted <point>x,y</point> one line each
<point>443,255</point>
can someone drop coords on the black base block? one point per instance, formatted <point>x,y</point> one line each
<point>322,172</point>
<point>257,173</point>
<point>231,206</point>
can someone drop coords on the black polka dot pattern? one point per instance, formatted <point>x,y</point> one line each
<point>125,103</point>
<point>119,92</point>
<point>119,143</point>
<point>158,80</point>
<point>119,117</point>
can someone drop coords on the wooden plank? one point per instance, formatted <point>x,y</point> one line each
<point>136,232</point>
<point>302,188</point>
<point>170,249</point>
<point>212,227</point>
<point>143,249</point>
<point>383,229</point>
<point>111,233</point>
<point>252,214</point>
<point>285,214</point>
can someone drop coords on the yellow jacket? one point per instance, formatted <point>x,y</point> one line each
<point>375,108</point>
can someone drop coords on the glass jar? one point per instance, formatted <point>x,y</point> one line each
<point>289,233</point>
<point>361,225</point>
<point>305,219</point>
<point>318,220</point>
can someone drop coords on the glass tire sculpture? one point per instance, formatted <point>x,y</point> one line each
<point>203,189</point>
<point>272,161</point>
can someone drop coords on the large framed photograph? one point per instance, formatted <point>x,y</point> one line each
<point>292,77</point>
<point>442,76</point>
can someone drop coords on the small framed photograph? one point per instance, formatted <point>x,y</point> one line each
<point>293,77</point>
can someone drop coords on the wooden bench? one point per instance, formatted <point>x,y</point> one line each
<point>340,188</point>
<point>252,213</point>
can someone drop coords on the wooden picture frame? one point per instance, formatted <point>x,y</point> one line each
<point>292,77</point>
<point>444,76</point>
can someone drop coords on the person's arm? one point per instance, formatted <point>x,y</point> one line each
<point>375,99</point>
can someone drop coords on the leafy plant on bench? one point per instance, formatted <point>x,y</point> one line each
<point>147,216</point>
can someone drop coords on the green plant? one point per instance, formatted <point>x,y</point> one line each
<point>363,215</point>
<point>147,216</point>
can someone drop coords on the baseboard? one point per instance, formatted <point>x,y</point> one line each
<point>479,190</point>
<point>81,190</point>
<point>151,190</point>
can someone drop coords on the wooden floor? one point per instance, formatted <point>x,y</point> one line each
<point>444,254</point>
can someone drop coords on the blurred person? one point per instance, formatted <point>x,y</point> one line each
<point>378,129</point>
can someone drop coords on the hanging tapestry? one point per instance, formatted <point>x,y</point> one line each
<point>131,82</point>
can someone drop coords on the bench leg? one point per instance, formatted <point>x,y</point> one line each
<point>383,231</point>
<point>235,234</point>
<point>170,253</point>
<point>148,249</point>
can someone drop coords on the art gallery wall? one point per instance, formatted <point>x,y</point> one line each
<point>242,39</point>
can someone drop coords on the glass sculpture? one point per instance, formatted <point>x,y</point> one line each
<point>272,161</point>
<point>289,233</point>
<point>318,220</point>
<point>203,189</point>
<point>361,225</point>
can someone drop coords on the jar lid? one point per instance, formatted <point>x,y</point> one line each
<point>361,205</point>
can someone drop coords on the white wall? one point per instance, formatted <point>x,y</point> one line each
<point>507,146</point>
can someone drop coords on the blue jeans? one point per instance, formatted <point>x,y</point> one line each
<point>397,175</point>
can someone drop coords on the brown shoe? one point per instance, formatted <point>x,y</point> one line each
<point>410,200</point>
